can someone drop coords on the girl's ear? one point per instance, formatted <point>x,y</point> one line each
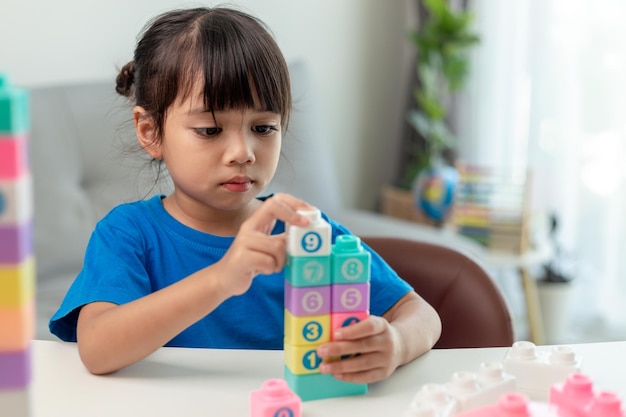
<point>146,132</point>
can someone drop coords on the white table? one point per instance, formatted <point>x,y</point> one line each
<point>201,382</point>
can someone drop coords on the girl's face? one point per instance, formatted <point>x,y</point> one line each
<point>217,163</point>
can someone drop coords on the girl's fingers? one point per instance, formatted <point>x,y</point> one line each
<point>280,207</point>
<point>371,326</point>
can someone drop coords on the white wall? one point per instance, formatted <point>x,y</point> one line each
<point>353,47</point>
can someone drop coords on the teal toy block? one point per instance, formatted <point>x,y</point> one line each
<point>320,386</point>
<point>350,261</point>
<point>308,271</point>
<point>13,156</point>
<point>16,202</point>
<point>14,108</point>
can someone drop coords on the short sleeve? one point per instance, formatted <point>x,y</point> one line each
<point>113,271</point>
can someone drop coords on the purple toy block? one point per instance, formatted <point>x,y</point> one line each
<point>16,242</point>
<point>307,301</point>
<point>350,297</point>
<point>15,369</point>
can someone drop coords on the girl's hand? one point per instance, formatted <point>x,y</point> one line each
<point>255,251</point>
<point>373,347</point>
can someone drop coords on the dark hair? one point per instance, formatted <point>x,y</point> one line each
<point>233,52</point>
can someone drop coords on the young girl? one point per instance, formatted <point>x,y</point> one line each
<point>202,267</point>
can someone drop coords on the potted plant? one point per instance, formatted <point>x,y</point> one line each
<point>554,288</point>
<point>443,41</point>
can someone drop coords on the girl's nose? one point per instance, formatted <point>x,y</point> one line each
<point>239,150</point>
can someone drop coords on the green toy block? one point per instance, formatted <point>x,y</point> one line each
<point>350,261</point>
<point>308,271</point>
<point>14,108</point>
<point>319,386</point>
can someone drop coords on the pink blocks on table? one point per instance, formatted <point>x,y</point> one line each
<point>326,287</point>
<point>275,399</point>
<point>577,398</point>
<point>513,405</point>
<point>17,265</point>
<point>537,369</point>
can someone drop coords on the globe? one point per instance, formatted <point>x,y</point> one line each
<point>434,190</point>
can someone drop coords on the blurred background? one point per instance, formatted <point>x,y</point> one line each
<point>546,90</point>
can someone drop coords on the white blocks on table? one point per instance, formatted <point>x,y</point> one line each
<point>536,369</point>
<point>464,391</point>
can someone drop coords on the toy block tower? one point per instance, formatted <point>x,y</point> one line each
<point>326,287</point>
<point>17,271</point>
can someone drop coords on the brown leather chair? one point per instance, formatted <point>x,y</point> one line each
<point>472,310</point>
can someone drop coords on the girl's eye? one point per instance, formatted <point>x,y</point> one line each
<point>208,131</point>
<point>264,129</point>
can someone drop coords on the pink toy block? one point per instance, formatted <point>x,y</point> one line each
<point>16,200</point>
<point>537,369</point>
<point>513,405</point>
<point>17,327</point>
<point>13,156</point>
<point>275,399</point>
<point>577,398</point>
<point>338,320</point>
<point>15,368</point>
<point>307,301</point>
<point>350,297</point>
<point>313,240</point>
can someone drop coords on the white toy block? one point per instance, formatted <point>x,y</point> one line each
<point>16,200</point>
<point>312,240</point>
<point>474,390</point>
<point>15,403</point>
<point>432,400</point>
<point>537,369</point>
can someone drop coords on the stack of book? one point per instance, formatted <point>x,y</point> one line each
<point>491,207</point>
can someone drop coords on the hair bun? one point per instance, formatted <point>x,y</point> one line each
<point>126,79</point>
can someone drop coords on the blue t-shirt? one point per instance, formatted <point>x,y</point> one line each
<point>139,248</point>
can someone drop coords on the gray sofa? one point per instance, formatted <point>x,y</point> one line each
<point>82,167</point>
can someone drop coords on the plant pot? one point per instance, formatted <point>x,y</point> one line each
<point>400,204</point>
<point>555,302</point>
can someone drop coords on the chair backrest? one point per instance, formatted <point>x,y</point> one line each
<point>472,309</point>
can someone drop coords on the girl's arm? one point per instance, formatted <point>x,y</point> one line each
<point>408,330</point>
<point>112,336</point>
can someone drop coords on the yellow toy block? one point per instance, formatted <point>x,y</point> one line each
<point>306,330</point>
<point>17,283</point>
<point>17,327</point>
<point>302,360</point>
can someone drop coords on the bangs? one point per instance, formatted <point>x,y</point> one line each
<point>239,65</point>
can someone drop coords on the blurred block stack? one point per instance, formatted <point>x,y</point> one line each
<point>17,265</point>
